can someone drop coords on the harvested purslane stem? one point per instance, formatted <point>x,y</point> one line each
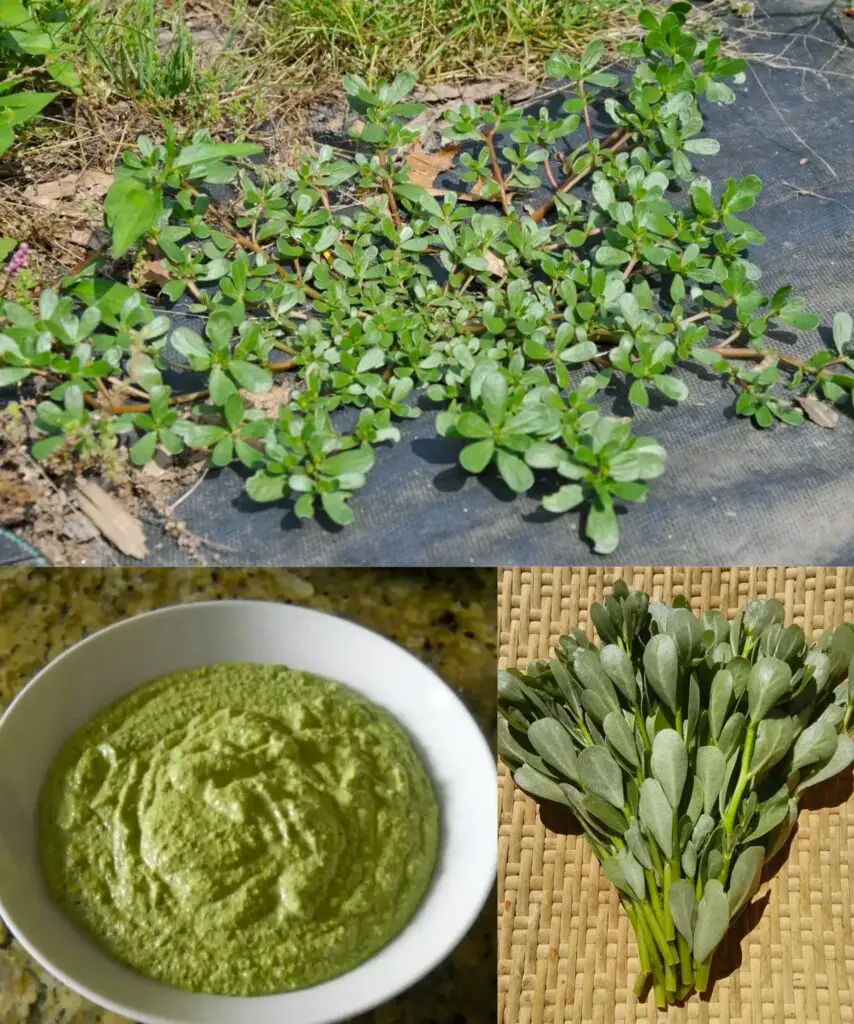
<point>683,746</point>
<point>519,315</point>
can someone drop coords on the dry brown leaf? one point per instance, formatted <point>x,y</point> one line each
<point>156,273</point>
<point>111,518</point>
<point>496,264</point>
<point>523,93</point>
<point>463,197</point>
<point>91,184</point>
<point>15,496</point>
<point>138,365</point>
<point>46,193</point>
<point>269,401</point>
<point>820,413</point>
<point>439,93</point>
<point>81,237</point>
<point>79,528</point>
<point>477,92</point>
<point>96,182</point>
<point>424,167</point>
<point>151,469</point>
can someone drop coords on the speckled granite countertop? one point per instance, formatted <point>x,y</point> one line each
<point>445,617</point>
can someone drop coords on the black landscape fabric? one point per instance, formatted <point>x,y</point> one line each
<point>731,493</point>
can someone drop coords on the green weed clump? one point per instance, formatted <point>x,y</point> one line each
<point>440,38</point>
<point>35,41</point>
<point>128,51</point>
<point>683,746</point>
<point>388,298</point>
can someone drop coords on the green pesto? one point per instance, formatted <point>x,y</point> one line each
<point>240,829</point>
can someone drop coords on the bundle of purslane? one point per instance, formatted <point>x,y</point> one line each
<point>683,747</point>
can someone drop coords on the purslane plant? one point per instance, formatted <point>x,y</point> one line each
<point>519,315</point>
<point>683,746</point>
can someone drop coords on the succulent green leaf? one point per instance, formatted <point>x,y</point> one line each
<point>554,745</point>
<point>686,630</point>
<point>711,769</point>
<point>567,685</point>
<point>613,820</point>
<point>774,736</point>
<point>816,743</point>
<point>656,815</point>
<point>693,715</point>
<point>733,764</point>
<point>613,871</point>
<point>604,627</point>
<point>777,838</point>
<point>843,757</point>
<point>626,874</point>
<point>745,877</point>
<point>591,675</point>
<point>769,682</point>
<point>771,813</point>
<point>758,615</point>
<point>720,696</point>
<point>637,844</point>
<point>595,706</point>
<point>618,666</point>
<point>539,785</point>
<point>661,665</point>
<point>509,748</point>
<point>620,737</point>
<point>702,830</point>
<point>669,764</point>
<point>739,668</point>
<point>732,734</point>
<point>132,209</point>
<point>689,859</point>
<point>712,920</point>
<point>599,773</point>
<point>683,907</point>
<point>695,803</point>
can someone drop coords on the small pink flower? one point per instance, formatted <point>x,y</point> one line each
<point>20,259</point>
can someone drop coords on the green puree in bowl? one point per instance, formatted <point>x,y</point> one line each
<point>240,829</point>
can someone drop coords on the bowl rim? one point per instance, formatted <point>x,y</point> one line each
<point>404,979</point>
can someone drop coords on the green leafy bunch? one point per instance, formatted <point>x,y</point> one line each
<point>683,746</point>
<point>33,42</point>
<point>576,266</point>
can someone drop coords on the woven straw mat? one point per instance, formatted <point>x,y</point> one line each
<point>565,947</point>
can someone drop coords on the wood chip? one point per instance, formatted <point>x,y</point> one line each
<point>113,520</point>
<point>424,167</point>
<point>820,413</point>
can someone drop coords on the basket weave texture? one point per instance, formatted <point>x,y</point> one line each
<point>565,947</point>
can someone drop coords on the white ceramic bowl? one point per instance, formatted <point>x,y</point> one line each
<point>113,661</point>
